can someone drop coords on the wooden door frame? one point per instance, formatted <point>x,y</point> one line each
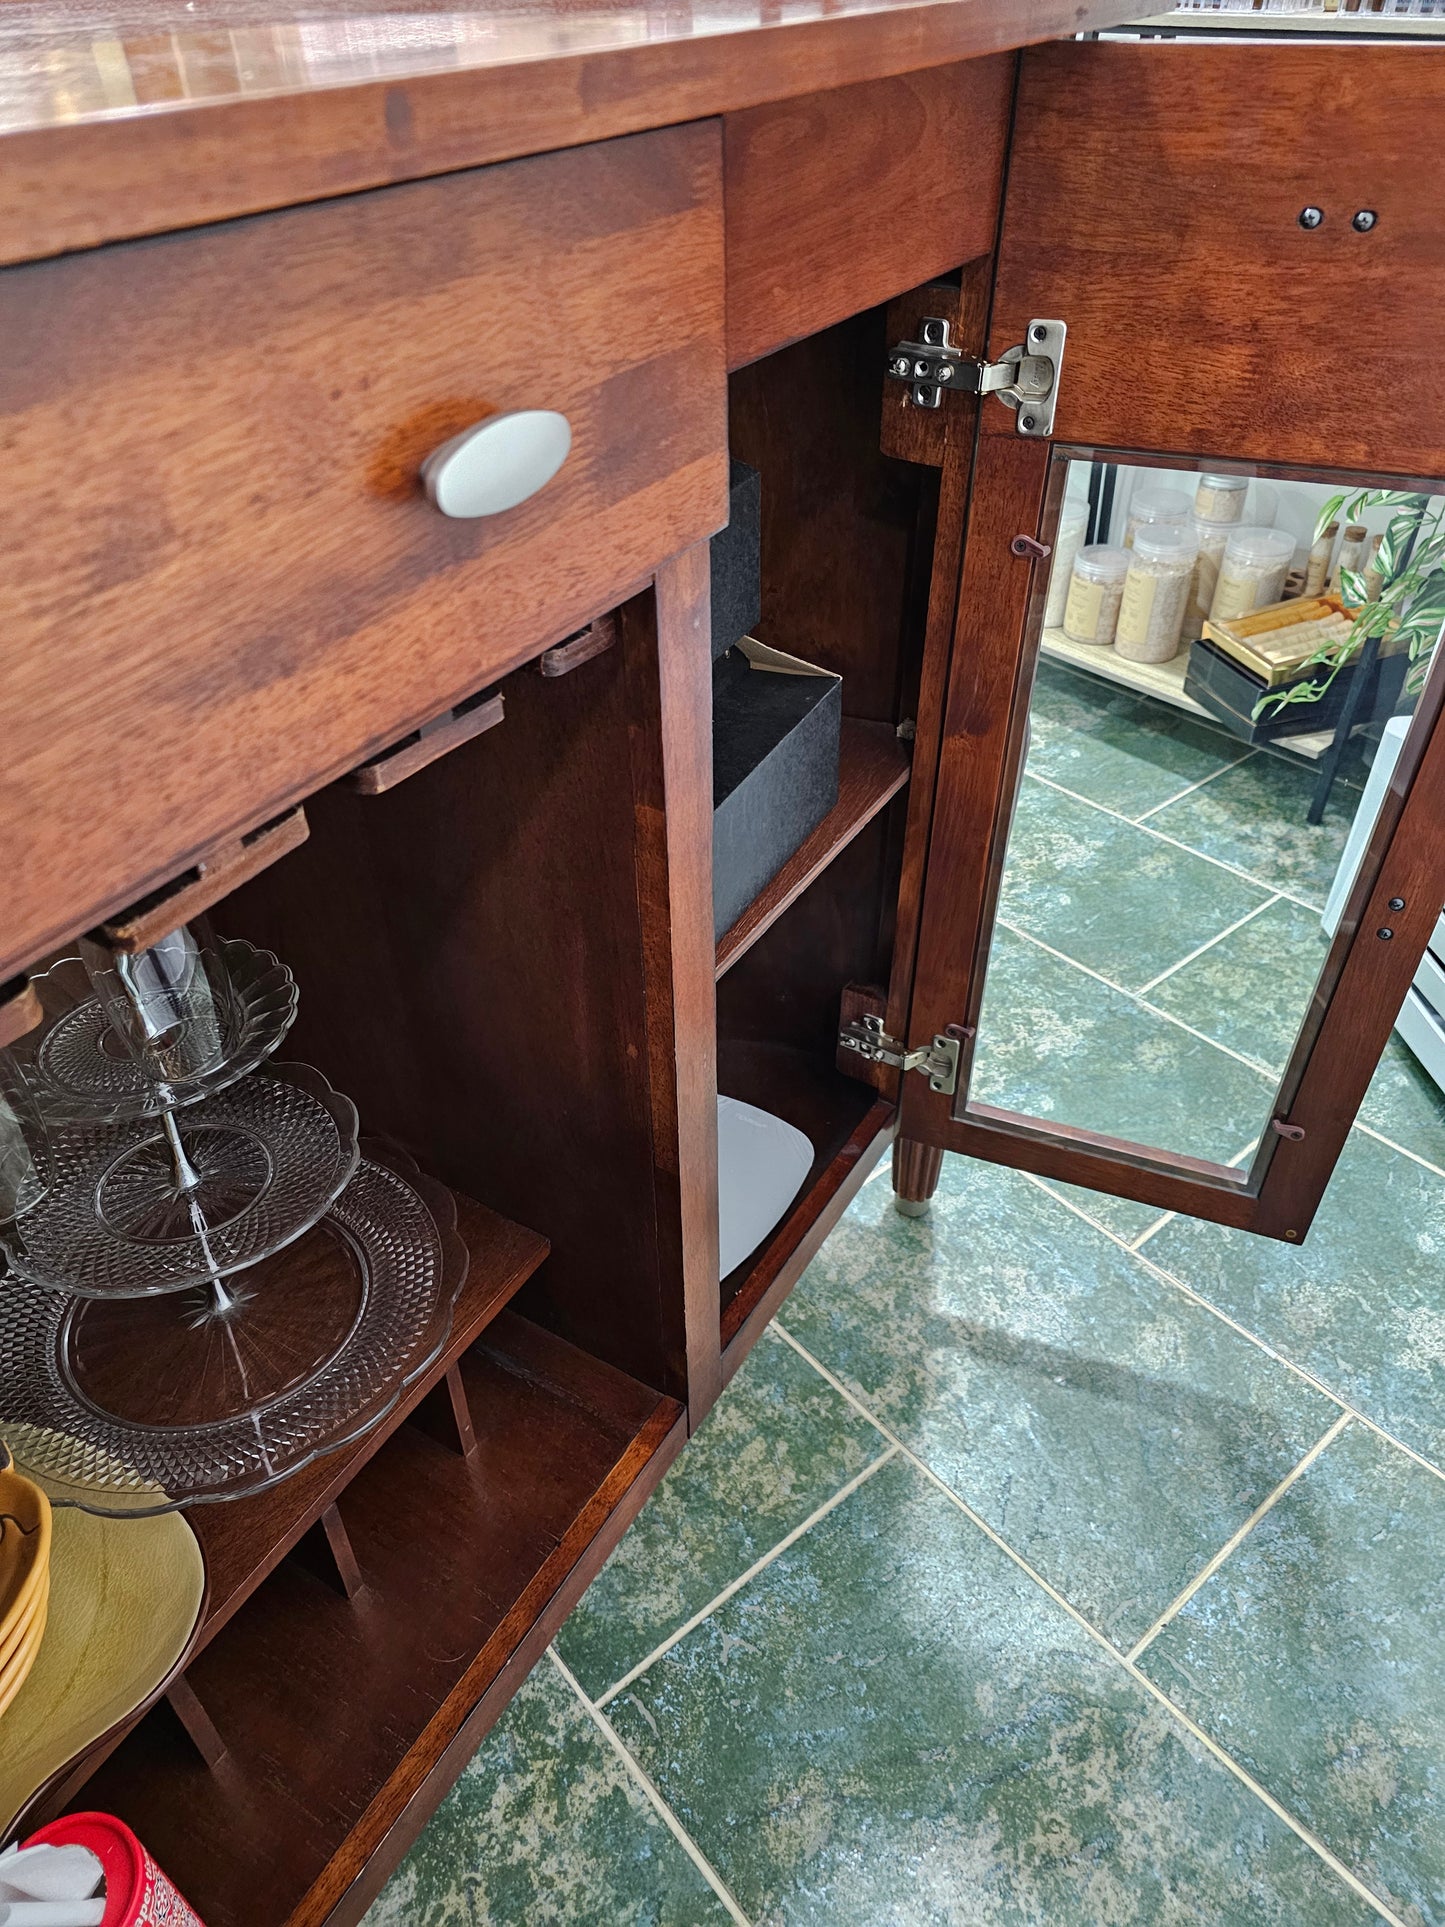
<point>1018,487</point>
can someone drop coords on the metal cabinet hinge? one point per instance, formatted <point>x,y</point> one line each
<point>1027,378</point>
<point>938,1061</point>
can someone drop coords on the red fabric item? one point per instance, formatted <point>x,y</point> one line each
<point>137,1893</point>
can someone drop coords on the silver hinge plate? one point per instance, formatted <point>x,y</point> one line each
<point>1027,378</point>
<point>938,1061</point>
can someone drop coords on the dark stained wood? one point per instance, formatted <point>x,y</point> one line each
<point>335,1711</point>
<point>488,966</point>
<point>437,738</point>
<point>1202,317</point>
<point>214,874</point>
<point>876,187</point>
<point>209,159</point>
<point>199,1726</point>
<point>772,1273</point>
<point>20,1010</point>
<point>916,1170</point>
<point>840,520</point>
<point>245,1540</point>
<point>873,767</point>
<point>564,657</point>
<point>348,1569</point>
<point>953,444</point>
<point>245,586</point>
<point>667,665</point>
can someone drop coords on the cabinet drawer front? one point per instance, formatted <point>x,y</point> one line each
<point>223,583</point>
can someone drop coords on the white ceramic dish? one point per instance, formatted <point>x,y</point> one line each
<point>762,1163</point>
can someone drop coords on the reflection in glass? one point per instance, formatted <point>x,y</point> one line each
<point>1210,691</point>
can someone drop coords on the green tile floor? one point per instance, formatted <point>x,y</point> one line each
<point>1051,1560</point>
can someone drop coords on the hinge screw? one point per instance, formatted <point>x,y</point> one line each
<point>1364,220</point>
<point>1397,903</point>
<point>1038,332</point>
<point>1028,421</point>
<point>1385,934</point>
<point>1311,216</point>
<point>902,365</point>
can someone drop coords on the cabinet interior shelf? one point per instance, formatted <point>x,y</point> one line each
<point>336,1713</point>
<point>873,767</point>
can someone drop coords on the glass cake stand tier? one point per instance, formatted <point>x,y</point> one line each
<point>160,1205</point>
<point>224,1014</point>
<point>138,1408</point>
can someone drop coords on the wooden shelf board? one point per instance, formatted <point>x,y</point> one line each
<point>244,1540</point>
<point>1162,680</point>
<point>337,1713</point>
<point>873,767</point>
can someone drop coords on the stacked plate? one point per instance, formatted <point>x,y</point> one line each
<point>24,1576</point>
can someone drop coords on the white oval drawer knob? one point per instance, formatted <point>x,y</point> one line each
<point>498,464</point>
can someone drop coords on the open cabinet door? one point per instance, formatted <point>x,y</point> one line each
<point>1244,244</point>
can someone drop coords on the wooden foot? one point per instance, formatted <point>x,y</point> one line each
<point>446,1415</point>
<point>327,1550</point>
<point>916,1171</point>
<point>196,1720</point>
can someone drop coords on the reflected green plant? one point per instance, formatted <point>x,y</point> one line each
<point>1410,607</point>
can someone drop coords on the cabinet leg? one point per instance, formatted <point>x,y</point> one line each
<point>916,1171</point>
<point>326,1549</point>
<point>196,1720</point>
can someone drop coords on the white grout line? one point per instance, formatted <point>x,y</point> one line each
<point>644,1780</point>
<point>1226,1760</point>
<point>1176,1606</point>
<point>1250,1063</point>
<point>1238,924</point>
<point>758,1565</point>
<point>1416,1157</point>
<point>1188,849</point>
<point>1189,788</point>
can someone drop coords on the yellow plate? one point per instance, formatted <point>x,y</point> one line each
<point>24,1544</point>
<point>23,1659</point>
<point>12,1639</point>
<point>124,1598</point>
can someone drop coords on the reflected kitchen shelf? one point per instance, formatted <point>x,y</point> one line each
<point>1164,681</point>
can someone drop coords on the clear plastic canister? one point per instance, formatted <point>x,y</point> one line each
<point>1067,543</point>
<point>1220,498</point>
<point>1156,592</point>
<point>1212,538</point>
<point>1150,505</point>
<point>1252,572</point>
<point>1095,587</point>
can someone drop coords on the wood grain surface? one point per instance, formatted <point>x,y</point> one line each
<point>1153,204</point>
<point>346,114</point>
<point>837,200</point>
<point>223,585</point>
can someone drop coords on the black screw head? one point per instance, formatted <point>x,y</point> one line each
<point>1364,220</point>
<point>1385,934</point>
<point>1312,216</point>
<point>1397,903</point>
<point>1039,334</point>
<point>1028,421</point>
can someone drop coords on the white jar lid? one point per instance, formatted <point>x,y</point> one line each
<point>1100,562</point>
<point>1165,542</point>
<point>1159,505</point>
<point>1262,548</point>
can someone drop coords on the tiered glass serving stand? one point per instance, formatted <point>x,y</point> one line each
<point>156,1349</point>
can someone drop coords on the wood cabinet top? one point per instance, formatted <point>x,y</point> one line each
<point>127,117</point>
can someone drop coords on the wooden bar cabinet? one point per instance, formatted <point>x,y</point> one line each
<point>457,772</point>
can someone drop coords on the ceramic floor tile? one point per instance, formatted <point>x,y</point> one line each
<point>1406,1105</point>
<point>1057,1044</point>
<point>1361,1303</point>
<point>1108,895</point>
<point>546,1825</point>
<point>1254,816</point>
<point>1113,1432</point>
<point>892,1726</point>
<point>1250,991</point>
<point>1316,1657</point>
<point>1122,1216</point>
<point>776,1446</point>
<point>1118,749</point>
